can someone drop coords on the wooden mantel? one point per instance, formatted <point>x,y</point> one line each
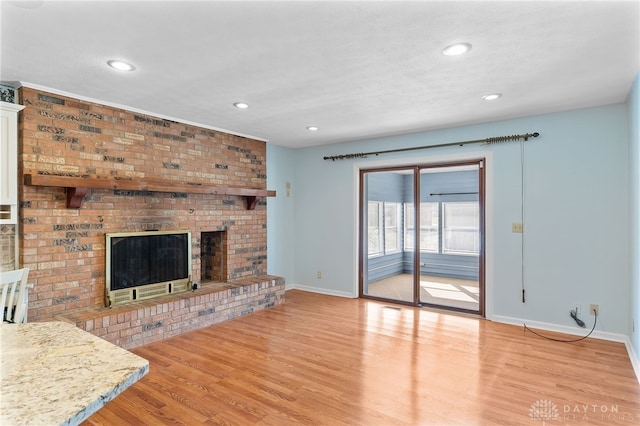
<point>77,187</point>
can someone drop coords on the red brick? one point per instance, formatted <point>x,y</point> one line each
<point>122,136</point>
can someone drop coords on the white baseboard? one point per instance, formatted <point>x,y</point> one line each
<point>633,356</point>
<point>319,290</point>
<point>613,337</point>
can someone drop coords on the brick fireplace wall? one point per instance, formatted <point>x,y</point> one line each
<point>65,247</point>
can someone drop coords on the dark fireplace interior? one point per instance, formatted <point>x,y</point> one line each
<point>148,259</point>
<point>213,255</point>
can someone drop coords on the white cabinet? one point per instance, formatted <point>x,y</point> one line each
<point>9,162</point>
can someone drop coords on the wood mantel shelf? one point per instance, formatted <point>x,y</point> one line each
<point>77,187</point>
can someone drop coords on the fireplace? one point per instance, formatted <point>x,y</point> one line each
<point>144,265</point>
<point>213,256</point>
<point>67,247</point>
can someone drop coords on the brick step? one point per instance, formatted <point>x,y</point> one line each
<point>139,323</point>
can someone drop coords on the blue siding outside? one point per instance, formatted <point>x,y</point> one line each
<point>456,266</point>
<point>393,187</point>
<point>388,187</point>
<point>382,267</point>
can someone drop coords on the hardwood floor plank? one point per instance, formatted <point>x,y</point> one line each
<point>322,360</point>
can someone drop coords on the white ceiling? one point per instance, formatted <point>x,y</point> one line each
<point>354,69</point>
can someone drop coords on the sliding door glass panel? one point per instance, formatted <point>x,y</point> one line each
<point>461,228</point>
<point>388,254</point>
<point>449,237</point>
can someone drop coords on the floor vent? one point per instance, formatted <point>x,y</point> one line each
<point>395,308</point>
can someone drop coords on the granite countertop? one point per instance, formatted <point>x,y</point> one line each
<point>55,373</point>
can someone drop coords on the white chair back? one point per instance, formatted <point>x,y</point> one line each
<point>14,298</point>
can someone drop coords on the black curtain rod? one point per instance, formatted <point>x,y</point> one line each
<point>452,193</point>
<point>486,141</point>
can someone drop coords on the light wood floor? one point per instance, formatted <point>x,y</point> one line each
<point>323,360</point>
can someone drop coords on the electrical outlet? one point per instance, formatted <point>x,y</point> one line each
<point>516,227</point>
<point>319,275</point>
<point>595,308</point>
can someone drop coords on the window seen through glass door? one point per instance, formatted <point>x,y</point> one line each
<point>460,231</point>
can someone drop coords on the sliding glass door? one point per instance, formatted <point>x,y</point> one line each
<point>388,267</point>
<point>422,229</point>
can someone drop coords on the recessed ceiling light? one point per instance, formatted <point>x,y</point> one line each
<point>456,49</point>
<point>312,128</point>
<point>120,65</point>
<point>492,96</point>
<point>241,105</point>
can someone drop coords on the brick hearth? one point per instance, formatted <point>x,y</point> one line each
<point>148,321</point>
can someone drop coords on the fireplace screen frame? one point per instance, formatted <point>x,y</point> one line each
<point>151,290</point>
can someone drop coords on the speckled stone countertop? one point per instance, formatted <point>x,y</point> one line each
<point>53,373</point>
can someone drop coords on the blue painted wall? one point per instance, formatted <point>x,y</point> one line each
<point>281,212</point>
<point>575,249</point>
<point>633,106</point>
